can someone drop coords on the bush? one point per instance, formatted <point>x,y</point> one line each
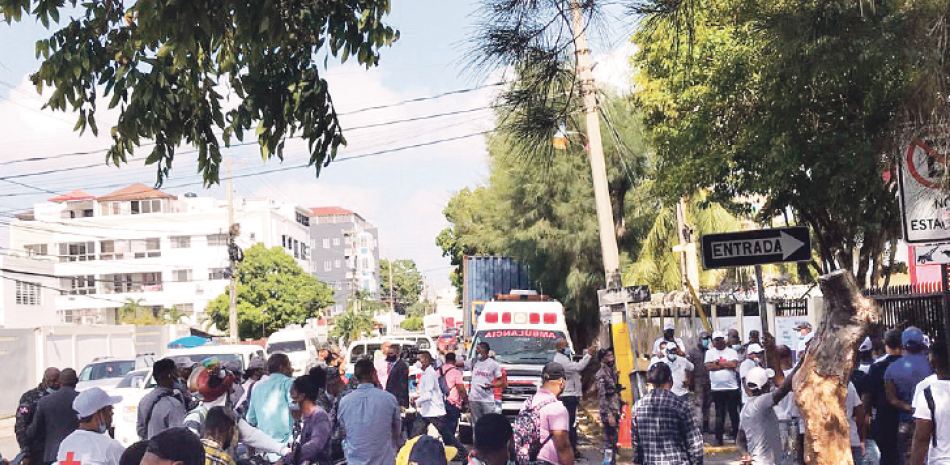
<point>412,324</point>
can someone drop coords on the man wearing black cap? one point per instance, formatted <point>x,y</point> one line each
<point>174,446</point>
<point>554,417</point>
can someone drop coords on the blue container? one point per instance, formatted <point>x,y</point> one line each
<point>484,277</point>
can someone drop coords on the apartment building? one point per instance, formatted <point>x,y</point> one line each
<point>148,245</point>
<point>345,253</point>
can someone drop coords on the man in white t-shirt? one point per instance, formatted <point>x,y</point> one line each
<point>89,444</point>
<point>759,437</point>
<point>855,411</point>
<point>681,368</point>
<point>931,444</point>
<point>486,376</point>
<point>753,359</point>
<point>721,363</point>
<point>669,328</point>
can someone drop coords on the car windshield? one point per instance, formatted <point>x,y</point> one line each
<point>130,379</point>
<point>286,346</point>
<point>106,370</point>
<point>521,346</point>
<point>222,358</point>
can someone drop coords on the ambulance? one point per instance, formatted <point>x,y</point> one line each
<point>521,328</point>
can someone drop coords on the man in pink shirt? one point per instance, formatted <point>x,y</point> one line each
<point>453,402</point>
<point>555,420</point>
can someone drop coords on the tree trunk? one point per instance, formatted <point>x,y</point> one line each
<point>821,384</point>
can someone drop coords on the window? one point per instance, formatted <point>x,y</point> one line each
<point>364,242</point>
<point>326,243</point>
<point>304,251</point>
<point>186,309</point>
<point>79,285</point>
<point>303,219</point>
<point>365,263</point>
<point>135,282</point>
<point>88,316</point>
<point>180,242</point>
<point>130,248</point>
<point>283,240</point>
<point>27,293</point>
<point>296,248</point>
<point>336,241</point>
<point>77,251</point>
<point>327,265</point>
<point>336,263</point>
<point>35,250</point>
<point>218,273</point>
<point>217,240</point>
<point>181,276</point>
<point>146,206</point>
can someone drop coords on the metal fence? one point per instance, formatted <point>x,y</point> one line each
<point>791,307</point>
<point>922,305</point>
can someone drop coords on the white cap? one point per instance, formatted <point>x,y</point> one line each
<point>92,400</point>
<point>718,335</point>
<point>757,377</point>
<point>754,349</point>
<point>669,325</point>
<point>670,346</point>
<point>865,345</point>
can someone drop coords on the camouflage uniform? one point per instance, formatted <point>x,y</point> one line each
<point>609,396</point>
<point>24,416</point>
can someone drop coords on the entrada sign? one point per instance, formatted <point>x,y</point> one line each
<point>746,248</point>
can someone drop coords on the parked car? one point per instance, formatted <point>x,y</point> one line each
<point>447,343</point>
<point>126,413</point>
<point>300,345</point>
<point>107,372</point>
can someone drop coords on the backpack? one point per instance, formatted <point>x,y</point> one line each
<point>443,384</point>
<point>527,432</point>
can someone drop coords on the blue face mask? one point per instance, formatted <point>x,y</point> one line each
<point>50,390</point>
<point>705,343</point>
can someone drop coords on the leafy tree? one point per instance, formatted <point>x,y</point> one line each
<point>352,324</point>
<point>133,312</point>
<point>543,215</point>
<point>407,283</point>
<point>793,102</point>
<point>173,67</point>
<point>412,324</point>
<point>273,291</point>
<point>420,309</point>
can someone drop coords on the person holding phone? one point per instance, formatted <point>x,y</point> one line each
<point>486,376</point>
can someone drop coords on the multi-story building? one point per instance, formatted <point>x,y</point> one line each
<point>345,253</point>
<point>145,245</point>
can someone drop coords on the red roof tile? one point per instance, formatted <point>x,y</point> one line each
<point>327,211</point>
<point>136,191</point>
<point>75,194</point>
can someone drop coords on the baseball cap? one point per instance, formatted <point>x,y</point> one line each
<point>669,325</point>
<point>553,370</point>
<point>912,337</point>
<point>803,324</point>
<point>670,346</point>
<point>865,345</point>
<point>718,335</point>
<point>92,400</point>
<point>754,349</point>
<point>758,377</point>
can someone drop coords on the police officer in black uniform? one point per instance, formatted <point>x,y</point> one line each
<point>33,450</point>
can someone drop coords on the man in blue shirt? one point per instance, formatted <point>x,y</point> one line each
<point>370,420</point>
<point>269,408</point>
<point>900,380</point>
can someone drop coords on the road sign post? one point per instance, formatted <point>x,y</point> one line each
<point>925,205</point>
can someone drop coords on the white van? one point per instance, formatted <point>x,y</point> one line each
<point>433,325</point>
<point>300,344</point>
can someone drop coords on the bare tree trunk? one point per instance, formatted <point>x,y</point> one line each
<point>890,263</point>
<point>821,384</point>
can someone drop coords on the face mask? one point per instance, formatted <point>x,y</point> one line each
<point>736,346</point>
<point>50,390</point>
<point>102,428</point>
<point>294,407</point>
<point>704,343</point>
<point>391,358</point>
<point>671,356</point>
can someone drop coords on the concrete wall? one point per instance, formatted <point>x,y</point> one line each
<point>18,357</point>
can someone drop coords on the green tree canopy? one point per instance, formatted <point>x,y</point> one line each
<point>412,324</point>
<point>172,67</point>
<point>407,283</point>
<point>273,291</point>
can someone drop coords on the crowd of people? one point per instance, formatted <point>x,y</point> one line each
<point>897,401</point>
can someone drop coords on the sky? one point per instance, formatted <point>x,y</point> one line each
<point>396,175</point>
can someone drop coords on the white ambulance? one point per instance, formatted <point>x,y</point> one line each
<point>521,328</point>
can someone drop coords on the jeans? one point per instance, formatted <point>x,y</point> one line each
<point>480,409</point>
<point>905,437</point>
<point>856,455</point>
<point>449,429</point>
<point>726,401</point>
<point>571,403</point>
<point>872,455</point>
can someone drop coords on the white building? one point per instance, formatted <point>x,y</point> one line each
<point>143,244</point>
<point>27,291</point>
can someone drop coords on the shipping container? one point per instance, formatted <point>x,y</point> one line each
<point>484,277</point>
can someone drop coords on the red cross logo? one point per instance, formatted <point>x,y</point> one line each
<point>70,460</point>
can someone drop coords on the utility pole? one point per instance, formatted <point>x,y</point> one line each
<point>392,299</point>
<point>232,234</point>
<point>605,220</point>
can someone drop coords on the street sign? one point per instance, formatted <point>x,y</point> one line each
<point>623,296</point>
<point>747,248</point>
<point>925,205</point>
<point>932,254</point>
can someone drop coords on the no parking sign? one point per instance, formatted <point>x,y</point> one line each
<point>925,203</point>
